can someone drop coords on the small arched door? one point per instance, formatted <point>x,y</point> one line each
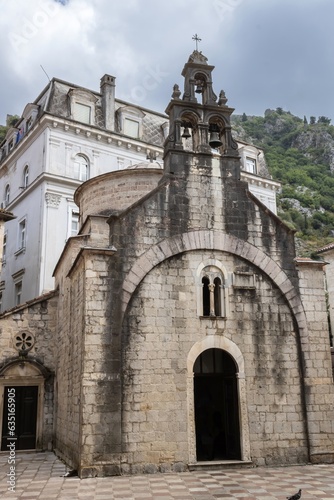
<point>20,414</point>
<point>216,406</point>
<point>22,385</point>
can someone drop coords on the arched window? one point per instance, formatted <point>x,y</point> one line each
<point>81,168</point>
<point>7,195</point>
<point>26,176</point>
<point>213,297</point>
<point>206,296</point>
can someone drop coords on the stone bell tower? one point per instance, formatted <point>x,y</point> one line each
<point>199,122</point>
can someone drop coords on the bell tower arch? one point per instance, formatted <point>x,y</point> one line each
<point>199,120</point>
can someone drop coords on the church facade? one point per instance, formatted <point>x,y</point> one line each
<point>182,331</point>
<point>70,134</point>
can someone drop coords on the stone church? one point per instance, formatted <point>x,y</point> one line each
<point>183,331</point>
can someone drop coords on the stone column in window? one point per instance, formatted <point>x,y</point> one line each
<point>212,299</point>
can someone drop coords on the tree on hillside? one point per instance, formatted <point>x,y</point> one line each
<point>10,122</point>
<point>324,119</point>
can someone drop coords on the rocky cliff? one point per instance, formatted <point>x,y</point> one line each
<point>300,154</point>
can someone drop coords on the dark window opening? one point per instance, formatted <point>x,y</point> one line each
<point>206,296</point>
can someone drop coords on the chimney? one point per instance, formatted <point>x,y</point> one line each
<point>107,88</point>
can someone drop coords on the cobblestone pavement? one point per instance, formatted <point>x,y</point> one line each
<point>40,476</point>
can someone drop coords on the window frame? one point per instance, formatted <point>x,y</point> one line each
<point>212,304</point>
<point>133,114</point>
<point>4,248</point>
<point>131,122</point>
<point>22,235</point>
<point>84,163</point>
<point>79,110</point>
<point>249,160</point>
<point>74,218</point>
<point>7,195</point>
<point>29,123</point>
<point>18,287</point>
<point>72,210</point>
<point>26,176</point>
<point>29,115</point>
<point>82,97</point>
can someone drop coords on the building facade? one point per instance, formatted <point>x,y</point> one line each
<point>68,135</point>
<point>182,331</point>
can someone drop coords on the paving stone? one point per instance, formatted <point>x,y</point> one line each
<point>316,481</point>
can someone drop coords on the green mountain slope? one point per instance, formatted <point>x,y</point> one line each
<point>299,154</point>
<point>11,120</point>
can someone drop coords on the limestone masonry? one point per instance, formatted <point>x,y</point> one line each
<point>182,330</point>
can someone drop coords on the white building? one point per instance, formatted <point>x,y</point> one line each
<point>66,136</point>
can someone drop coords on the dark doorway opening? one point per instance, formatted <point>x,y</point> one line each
<point>216,407</point>
<point>20,402</point>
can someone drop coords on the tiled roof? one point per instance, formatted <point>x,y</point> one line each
<point>326,248</point>
<point>307,260</point>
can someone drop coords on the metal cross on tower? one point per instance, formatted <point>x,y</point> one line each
<point>197,39</point>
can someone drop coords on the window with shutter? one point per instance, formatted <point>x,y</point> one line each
<point>82,113</point>
<point>81,168</point>
<point>131,128</point>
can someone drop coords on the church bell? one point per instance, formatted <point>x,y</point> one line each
<point>214,140</point>
<point>186,133</point>
<point>199,88</point>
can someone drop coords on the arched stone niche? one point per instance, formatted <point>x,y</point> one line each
<point>20,373</point>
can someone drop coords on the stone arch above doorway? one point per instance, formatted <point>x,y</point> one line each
<point>215,342</point>
<point>24,368</point>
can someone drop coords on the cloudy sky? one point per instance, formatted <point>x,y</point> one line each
<point>267,53</point>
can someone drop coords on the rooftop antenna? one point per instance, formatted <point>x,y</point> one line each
<point>45,73</point>
<point>196,39</point>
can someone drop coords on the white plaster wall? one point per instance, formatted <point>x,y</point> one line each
<point>50,155</point>
<point>265,195</point>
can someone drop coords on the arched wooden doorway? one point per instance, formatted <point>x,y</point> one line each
<point>216,406</point>
<point>22,390</point>
<point>20,417</point>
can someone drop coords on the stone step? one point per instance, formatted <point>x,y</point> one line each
<point>220,464</point>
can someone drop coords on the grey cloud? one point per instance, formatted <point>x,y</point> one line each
<point>267,53</point>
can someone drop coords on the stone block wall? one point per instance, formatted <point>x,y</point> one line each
<point>115,191</point>
<point>315,345</point>
<point>201,198</point>
<point>69,359</point>
<point>101,381</point>
<point>36,319</point>
<point>130,319</point>
<point>161,327</point>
